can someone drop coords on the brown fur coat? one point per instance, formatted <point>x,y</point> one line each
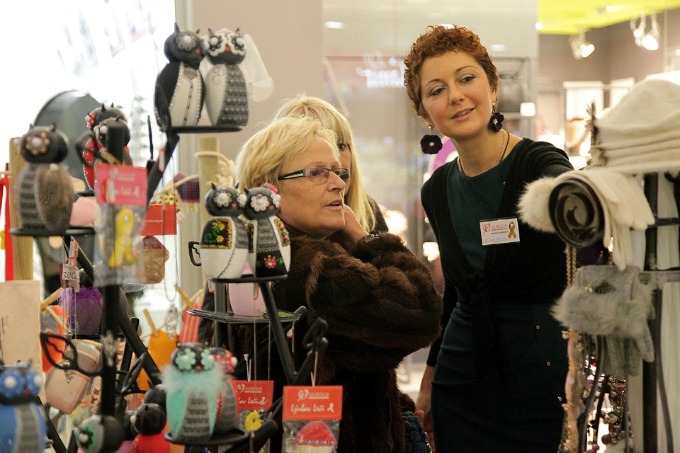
<point>380,303</point>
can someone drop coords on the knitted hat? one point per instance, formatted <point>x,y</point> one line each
<point>647,113</point>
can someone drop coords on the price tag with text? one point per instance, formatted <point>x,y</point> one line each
<point>321,402</point>
<point>253,395</point>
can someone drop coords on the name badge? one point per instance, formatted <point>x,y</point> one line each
<point>499,231</point>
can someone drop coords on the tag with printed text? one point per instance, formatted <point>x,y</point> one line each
<point>322,402</point>
<point>253,395</point>
<point>499,231</point>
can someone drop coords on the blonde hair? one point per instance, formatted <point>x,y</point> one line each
<point>262,156</point>
<point>324,112</point>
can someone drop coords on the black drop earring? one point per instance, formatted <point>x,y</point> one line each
<point>496,120</point>
<point>430,143</point>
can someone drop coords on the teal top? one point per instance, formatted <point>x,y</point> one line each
<point>473,199</point>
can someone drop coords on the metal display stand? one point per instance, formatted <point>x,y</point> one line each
<point>237,441</point>
<point>652,373</point>
<point>113,324</point>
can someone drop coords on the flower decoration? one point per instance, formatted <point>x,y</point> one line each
<point>207,359</point>
<point>242,199</point>
<point>185,42</point>
<point>38,144</point>
<point>276,199</point>
<point>215,41</point>
<point>222,199</point>
<point>270,262</point>
<point>185,360</point>
<point>259,203</point>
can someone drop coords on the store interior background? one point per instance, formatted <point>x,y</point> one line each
<point>112,50</point>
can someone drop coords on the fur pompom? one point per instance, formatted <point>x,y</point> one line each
<point>54,196</point>
<point>534,204</point>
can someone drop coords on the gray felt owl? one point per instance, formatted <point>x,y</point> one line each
<point>269,253</point>
<point>224,241</point>
<point>44,189</point>
<point>226,98</point>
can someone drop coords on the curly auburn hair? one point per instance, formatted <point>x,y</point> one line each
<point>436,41</point>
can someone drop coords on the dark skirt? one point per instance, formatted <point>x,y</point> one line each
<point>513,403</point>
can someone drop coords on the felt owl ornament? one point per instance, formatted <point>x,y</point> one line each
<point>44,189</point>
<point>180,90</point>
<point>22,420</point>
<point>226,98</point>
<point>227,415</point>
<point>193,382</point>
<point>269,253</point>
<point>99,434</point>
<point>89,145</point>
<point>224,240</point>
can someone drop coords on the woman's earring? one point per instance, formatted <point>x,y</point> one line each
<point>496,120</point>
<point>430,143</point>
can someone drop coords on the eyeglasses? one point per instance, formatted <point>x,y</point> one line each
<point>318,175</point>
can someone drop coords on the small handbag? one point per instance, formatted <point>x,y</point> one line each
<point>615,305</point>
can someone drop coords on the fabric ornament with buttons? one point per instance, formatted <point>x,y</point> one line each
<point>615,305</point>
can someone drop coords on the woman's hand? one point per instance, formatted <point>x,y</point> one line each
<point>424,404</point>
<point>351,233</point>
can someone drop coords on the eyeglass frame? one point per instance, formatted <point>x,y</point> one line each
<point>325,172</point>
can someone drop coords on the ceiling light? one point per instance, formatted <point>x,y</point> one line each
<point>638,28</point>
<point>647,39</point>
<point>651,40</point>
<point>334,25</point>
<point>580,47</point>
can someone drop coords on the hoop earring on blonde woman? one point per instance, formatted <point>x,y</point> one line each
<point>430,143</point>
<point>496,120</point>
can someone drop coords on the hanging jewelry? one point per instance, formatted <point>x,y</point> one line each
<point>430,143</point>
<point>500,159</point>
<point>496,120</point>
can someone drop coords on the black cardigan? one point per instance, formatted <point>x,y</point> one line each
<point>530,271</point>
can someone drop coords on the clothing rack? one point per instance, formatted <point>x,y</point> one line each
<point>579,225</point>
<point>652,373</point>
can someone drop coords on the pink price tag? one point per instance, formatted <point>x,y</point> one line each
<point>120,184</point>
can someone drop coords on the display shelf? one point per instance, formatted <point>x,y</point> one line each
<point>231,438</point>
<point>230,318</point>
<point>202,129</point>
<point>71,231</point>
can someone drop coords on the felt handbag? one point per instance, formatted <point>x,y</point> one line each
<point>65,389</point>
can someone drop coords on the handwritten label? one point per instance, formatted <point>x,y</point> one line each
<point>120,184</point>
<point>322,402</point>
<point>253,395</point>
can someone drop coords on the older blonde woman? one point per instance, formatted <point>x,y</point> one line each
<point>377,297</point>
<point>365,208</point>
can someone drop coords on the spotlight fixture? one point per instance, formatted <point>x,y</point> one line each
<point>579,46</point>
<point>647,39</point>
